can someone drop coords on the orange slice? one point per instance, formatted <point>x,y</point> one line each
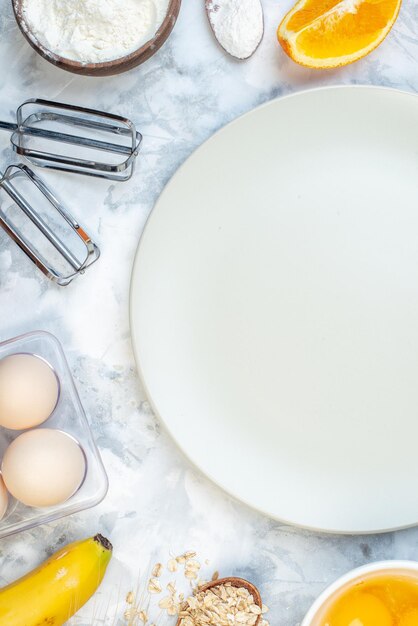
<point>330,33</point>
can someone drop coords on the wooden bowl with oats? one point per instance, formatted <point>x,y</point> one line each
<point>235,583</point>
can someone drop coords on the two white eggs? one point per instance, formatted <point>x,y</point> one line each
<point>41,467</point>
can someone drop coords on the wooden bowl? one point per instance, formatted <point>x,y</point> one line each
<point>107,68</point>
<point>235,582</point>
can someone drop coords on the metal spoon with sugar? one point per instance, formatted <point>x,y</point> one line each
<point>238,25</point>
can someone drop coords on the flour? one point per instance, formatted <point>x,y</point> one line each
<point>238,25</point>
<point>93,31</point>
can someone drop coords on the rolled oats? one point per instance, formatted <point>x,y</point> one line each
<point>157,570</point>
<point>223,605</point>
<point>172,565</point>
<point>154,585</point>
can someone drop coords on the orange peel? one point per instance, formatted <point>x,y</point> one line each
<point>324,34</point>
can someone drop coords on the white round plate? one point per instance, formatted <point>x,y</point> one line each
<point>274,308</point>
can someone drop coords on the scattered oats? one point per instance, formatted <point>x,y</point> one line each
<point>170,605</point>
<point>172,565</point>
<point>166,602</point>
<point>222,605</point>
<point>154,586</point>
<point>130,598</point>
<point>157,570</point>
<point>129,614</point>
<point>191,568</point>
<point>174,609</point>
<point>171,588</point>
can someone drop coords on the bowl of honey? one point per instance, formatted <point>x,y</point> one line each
<point>379,594</point>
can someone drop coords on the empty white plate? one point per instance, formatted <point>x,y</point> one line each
<point>274,308</point>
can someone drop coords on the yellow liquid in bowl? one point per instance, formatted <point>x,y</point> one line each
<point>378,600</point>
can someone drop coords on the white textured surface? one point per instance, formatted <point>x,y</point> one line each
<point>157,501</point>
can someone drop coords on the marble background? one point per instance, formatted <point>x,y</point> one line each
<point>157,503</point>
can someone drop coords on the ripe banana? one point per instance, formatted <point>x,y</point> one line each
<point>54,591</point>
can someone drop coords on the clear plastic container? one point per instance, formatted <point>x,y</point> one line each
<point>68,416</point>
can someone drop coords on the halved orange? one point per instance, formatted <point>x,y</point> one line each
<point>330,33</point>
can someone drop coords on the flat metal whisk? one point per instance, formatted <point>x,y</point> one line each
<point>75,139</point>
<point>36,220</point>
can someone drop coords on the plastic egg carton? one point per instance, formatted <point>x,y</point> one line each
<point>68,416</point>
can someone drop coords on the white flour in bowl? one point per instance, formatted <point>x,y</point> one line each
<point>93,31</point>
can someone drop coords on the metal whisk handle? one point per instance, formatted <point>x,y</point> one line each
<point>66,138</point>
<point>8,126</point>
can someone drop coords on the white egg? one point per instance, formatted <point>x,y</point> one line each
<point>29,391</point>
<point>43,467</point>
<point>4,498</point>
